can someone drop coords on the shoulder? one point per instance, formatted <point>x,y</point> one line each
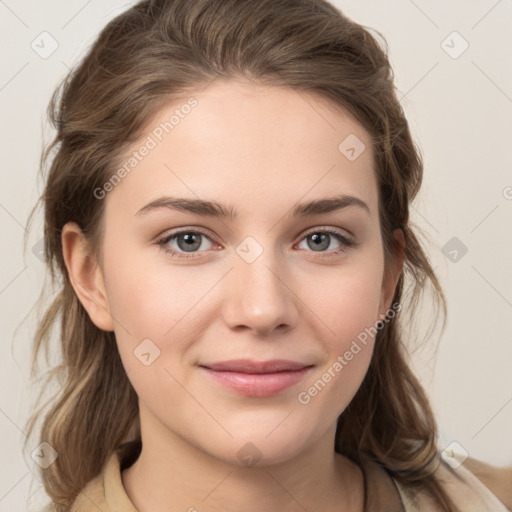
<point>94,495</point>
<point>497,479</point>
<point>472,485</point>
<point>91,497</point>
<point>105,492</point>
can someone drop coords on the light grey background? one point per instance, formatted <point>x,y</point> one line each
<point>460,111</point>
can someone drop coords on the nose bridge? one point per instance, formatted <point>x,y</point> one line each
<point>259,297</point>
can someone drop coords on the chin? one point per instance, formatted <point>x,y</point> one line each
<point>259,450</point>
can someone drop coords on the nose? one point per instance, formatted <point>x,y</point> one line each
<point>260,296</point>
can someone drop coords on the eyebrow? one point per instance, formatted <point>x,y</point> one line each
<point>217,210</point>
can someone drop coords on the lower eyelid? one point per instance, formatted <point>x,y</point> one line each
<point>345,241</point>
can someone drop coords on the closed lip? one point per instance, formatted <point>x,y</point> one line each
<point>251,366</point>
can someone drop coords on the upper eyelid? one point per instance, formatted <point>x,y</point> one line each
<point>206,232</point>
<point>321,228</point>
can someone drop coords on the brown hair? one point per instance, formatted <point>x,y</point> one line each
<point>144,58</point>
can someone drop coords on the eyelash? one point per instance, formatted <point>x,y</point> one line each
<point>345,242</point>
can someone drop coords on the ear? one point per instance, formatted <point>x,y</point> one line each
<point>86,276</point>
<point>390,280</point>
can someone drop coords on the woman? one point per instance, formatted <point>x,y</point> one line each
<point>228,210</point>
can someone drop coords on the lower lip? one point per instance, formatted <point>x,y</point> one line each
<point>258,384</point>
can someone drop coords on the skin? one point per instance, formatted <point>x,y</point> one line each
<point>260,149</point>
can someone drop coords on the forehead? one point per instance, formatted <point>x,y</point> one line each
<point>250,143</point>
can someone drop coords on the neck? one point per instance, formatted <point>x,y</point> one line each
<point>172,474</point>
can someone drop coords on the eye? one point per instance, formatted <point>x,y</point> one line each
<point>188,242</point>
<point>321,239</point>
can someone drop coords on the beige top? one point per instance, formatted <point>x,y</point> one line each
<point>383,493</point>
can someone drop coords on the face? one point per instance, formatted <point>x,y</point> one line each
<point>263,284</point>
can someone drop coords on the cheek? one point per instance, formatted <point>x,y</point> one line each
<point>149,297</point>
<point>346,301</point>
<point>351,313</point>
<point>155,313</point>
<point>347,305</point>
<point>161,311</point>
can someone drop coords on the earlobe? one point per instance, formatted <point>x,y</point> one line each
<point>85,276</point>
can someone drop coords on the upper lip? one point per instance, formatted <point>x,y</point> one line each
<point>250,366</point>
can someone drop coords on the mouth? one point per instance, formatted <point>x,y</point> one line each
<point>257,379</point>
<point>252,366</point>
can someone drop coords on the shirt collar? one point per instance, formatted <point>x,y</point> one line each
<point>381,492</point>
